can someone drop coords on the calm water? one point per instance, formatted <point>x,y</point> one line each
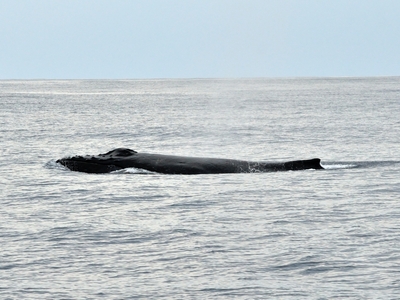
<point>326,234</point>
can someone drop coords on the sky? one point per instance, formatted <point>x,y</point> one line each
<point>135,39</point>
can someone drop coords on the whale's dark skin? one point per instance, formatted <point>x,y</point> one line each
<point>122,158</point>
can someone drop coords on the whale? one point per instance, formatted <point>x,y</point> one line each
<point>122,158</point>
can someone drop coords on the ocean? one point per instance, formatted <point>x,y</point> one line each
<point>313,234</point>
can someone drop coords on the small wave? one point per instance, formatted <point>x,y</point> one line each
<point>133,171</point>
<point>358,164</point>
<point>52,164</point>
<point>339,166</point>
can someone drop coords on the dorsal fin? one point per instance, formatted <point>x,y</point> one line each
<point>314,163</point>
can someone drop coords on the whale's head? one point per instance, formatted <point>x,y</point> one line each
<point>102,163</point>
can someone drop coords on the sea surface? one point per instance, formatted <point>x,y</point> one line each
<point>314,234</point>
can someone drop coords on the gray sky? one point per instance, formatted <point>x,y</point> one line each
<point>69,39</point>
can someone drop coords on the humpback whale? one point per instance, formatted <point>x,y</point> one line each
<point>122,158</point>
